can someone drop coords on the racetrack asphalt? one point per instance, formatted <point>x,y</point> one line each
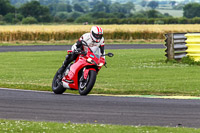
<point>46,106</point>
<point>67,47</point>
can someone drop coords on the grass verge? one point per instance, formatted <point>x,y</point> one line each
<point>53,127</point>
<point>136,71</point>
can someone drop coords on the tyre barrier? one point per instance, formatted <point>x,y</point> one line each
<point>193,45</point>
<point>179,45</point>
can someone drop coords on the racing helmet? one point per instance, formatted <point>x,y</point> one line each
<point>96,33</point>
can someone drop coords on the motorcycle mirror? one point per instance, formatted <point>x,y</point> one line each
<point>110,54</point>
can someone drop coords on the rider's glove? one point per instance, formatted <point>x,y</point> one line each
<point>77,50</point>
<point>74,48</point>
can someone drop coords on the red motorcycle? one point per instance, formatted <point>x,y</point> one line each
<point>81,74</point>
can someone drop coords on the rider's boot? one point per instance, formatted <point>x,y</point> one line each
<point>68,60</point>
<point>65,64</point>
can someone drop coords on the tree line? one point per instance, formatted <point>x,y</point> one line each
<point>81,11</point>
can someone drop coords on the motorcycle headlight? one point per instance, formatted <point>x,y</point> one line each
<point>89,60</point>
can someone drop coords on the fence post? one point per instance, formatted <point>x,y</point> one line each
<point>170,46</point>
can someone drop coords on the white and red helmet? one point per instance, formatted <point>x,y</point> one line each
<point>96,33</point>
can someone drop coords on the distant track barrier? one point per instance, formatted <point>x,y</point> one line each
<point>180,45</point>
<point>193,44</point>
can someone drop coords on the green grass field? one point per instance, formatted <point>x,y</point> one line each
<point>130,72</point>
<point>53,127</point>
<point>174,13</point>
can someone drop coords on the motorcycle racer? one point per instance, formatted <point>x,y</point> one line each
<point>95,41</point>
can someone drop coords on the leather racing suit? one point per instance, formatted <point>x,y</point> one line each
<point>92,44</point>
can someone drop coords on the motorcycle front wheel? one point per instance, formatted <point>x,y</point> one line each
<point>57,86</point>
<point>86,85</point>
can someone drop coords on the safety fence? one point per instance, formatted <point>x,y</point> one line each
<point>180,45</point>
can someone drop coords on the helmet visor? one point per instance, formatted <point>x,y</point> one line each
<point>97,36</point>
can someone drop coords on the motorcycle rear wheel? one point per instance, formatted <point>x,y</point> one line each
<point>57,86</point>
<point>86,85</point>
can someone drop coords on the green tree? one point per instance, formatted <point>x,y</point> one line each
<point>153,14</point>
<point>83,19</point>
<point>78,1</point>
<point>75,15</point>
<point>97,15</point>
<point>107,2</point>
<point>9,17</point>
<point>191,10</point>
<point>13,18</point>
<point>149,14</point>
<point>63,7</point>
<point>6,7</point>
<point>48,2</point>
<point>78,8</point>
<point>115,7</point>
<point>83,3</point>
<point>127,7</point>
<point>68,8</point>
<point>100,7</point>
<point>29,20</point>
<point>140,14</point>
<point>93,3</point>
<point>62,15</point>
<point>52,8</point>
<point>156,14</point>
<point>153,4</point>
<point>1,18</point>
<point>34,9</point>
<point>143,3</point>
<point>122,8</point>
<point>14,2</point>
